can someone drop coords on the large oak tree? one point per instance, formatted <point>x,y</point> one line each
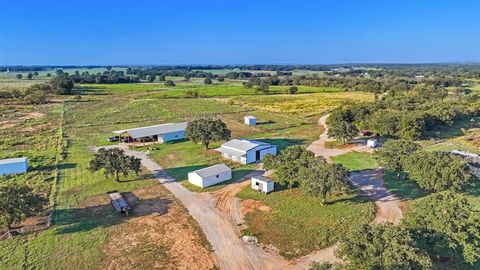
<point>207,130</point>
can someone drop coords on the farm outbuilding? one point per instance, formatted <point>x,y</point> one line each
<point>161,133</point>
<point>246,151</point>
<point>210,176</point>
<point>250,120</point>
<point>262,184</point>
<point>373,143</point>
<point>13,165</point>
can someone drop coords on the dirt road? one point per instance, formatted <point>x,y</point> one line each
<point>318,146</point>
<point>219,215</point>
<point>370,181</point>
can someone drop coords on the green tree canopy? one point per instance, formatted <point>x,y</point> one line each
<point>206,130</point>
<point>381,247</point>
<point>344,131</point>
<point>287,164</point>
<point>169,83</point>
<point>393,153</point>
<point>18,202</point>
<point>207,81</point>
<point>436,171</point>
<point>319,179</point>
<point>446,220</point>
<point>62,84</point>
<point>114,162</point>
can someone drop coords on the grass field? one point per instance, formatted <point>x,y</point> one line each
<point>217,89</point>
<point>403,189</point>
<point>356,161</point>
<point>297,224</point>
<point>302,104</point>
<point>84,225</point>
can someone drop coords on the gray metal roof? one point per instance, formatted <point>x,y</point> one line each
<point>262,178</point>
<point>153,130</point>
<point>13,160</point>
<point>230,151</point>
<point>212,170</point>
<point>250,117</point>
<point>242,145</point>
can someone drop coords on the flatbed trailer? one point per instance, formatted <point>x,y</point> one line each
<point>118,202</point>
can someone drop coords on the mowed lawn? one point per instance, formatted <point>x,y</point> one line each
<point>298,225</point>
<point>356,161</point>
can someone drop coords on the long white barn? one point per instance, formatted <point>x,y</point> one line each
<point>246,151</point>
<point>161,133</point>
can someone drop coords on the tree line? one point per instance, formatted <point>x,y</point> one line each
<point>407,114</point>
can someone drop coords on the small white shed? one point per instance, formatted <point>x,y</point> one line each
<point>13,165</point>
<point>250,120</point>
<point>262,184</point>
<point>210,176</point>
<point>373,143</point>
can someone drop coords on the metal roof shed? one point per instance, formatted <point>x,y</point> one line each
<point>13,165</point>
<point>250,120</point>
<point>210,176</point>
<point>262,184</point>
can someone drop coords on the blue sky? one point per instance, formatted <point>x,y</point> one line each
<point>112,32</point>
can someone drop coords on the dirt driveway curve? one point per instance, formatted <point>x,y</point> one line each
<point>219,215</point>
<point>370,181</point>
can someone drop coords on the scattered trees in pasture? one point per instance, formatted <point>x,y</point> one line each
<point>287,165</point>
<point>207,81</point>
<point>62,85</point>
<point>382,246</point>
<point>169,83</point>
<point>298,167</point>
<point>114,162</point>
<point>151,78</point>
<point>206,130</point>
<point>30,76</point>
<point>292,90</point>
<point>19,76</point>
<point>393,153</point>
<point>18,202</point>
<point>444,224</point>
<point>437,171</point>
<point>318,178</point>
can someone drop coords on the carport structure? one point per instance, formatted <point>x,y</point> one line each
<point>158,133</point>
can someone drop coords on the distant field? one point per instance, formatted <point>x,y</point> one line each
<point>224,89</point>
<point>303,104</point>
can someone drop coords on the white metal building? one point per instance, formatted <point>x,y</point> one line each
<point>246,151</point>
<point>250,120</point>
<point>210,176</point>
<point>161,133</point>
<point>13,165</point>
<point>372,143</point>
<point>262,184</point>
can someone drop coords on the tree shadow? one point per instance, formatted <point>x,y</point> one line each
<point>267,122</point>
<point>283,143</point>
<point>85,219</point>
<point>62,166</point>
<point>180,173</point>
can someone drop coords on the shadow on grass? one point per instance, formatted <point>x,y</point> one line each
<point>103,215</point>
<point>283,143</point>
<point>404,188</point>
<point>181,173</point>
<point>62,166</point>
<point>268,122</point>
